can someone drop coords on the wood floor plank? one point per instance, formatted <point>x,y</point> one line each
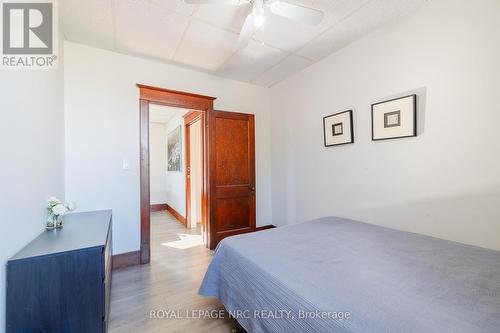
<point>169,282</point>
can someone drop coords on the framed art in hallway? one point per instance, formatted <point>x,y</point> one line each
<point>174,149</point>
<point>395,118</point>
<point>338,129</point>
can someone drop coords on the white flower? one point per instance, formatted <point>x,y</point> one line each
<point>59,210</point>
<point>53,201</point>
<point>71,206</point>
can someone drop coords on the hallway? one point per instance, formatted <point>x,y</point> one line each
<point>170,282</point>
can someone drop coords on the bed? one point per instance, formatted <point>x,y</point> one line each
<point>339,275</point>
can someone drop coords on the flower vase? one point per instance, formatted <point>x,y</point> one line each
<point>54,221</point>
<point>58,221</point>
<point>50,219</point>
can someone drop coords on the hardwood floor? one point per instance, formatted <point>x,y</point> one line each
<point>170,282</point>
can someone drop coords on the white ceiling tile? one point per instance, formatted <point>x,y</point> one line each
<point>366,19</point>
<point>144,28</point>
<point>291,35</point>
<point>177,6</point>
<point>225,16</point>
<point>88,22</point>
<point>290,65</point>
<point>206,46</point>
<point>250,62</point>
<point>332,40</point>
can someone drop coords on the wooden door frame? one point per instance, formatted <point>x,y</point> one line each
<point>189,119</point>
<point>167,97</point>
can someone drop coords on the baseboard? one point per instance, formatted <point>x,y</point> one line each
<point>176,214</point>
<point>264,227</point>
<point>123,260</point>
<point>158,207</point>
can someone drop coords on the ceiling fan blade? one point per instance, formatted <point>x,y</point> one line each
<point>214,2</point>
<point>246,32</point>
<point>295,12</point>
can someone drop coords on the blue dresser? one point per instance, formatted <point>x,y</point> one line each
<point>61,281</point>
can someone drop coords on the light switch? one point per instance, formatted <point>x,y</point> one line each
<point>126,165</point>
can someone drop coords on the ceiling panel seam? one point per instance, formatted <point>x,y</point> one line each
<point>335,24</point>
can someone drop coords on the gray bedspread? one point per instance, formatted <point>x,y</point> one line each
<point>387,280</point>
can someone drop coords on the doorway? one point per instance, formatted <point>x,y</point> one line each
<point>151,98</point>
<point>176,179</point>
<point>167,153</point>
<point>228,192</point>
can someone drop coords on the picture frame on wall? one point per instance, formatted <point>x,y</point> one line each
<point>395,118</point>
<point>174,149</point>
<point>338,129</point>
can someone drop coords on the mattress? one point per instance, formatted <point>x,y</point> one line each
<point>340,275</point>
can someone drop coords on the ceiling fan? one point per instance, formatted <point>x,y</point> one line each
<point>259,9</point>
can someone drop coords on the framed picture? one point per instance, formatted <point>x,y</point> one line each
<point>395,118</point>
<point>174,150</point>
<point>338,129</point>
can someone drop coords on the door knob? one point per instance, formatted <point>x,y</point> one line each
<point>252,188</point>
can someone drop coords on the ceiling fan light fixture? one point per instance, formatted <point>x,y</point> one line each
<point>258,11</point>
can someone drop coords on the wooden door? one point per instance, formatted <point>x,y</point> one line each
<point>232,174</point>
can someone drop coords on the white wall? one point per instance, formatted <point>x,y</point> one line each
<point>176,180</point>
<point>157,163</point>
<point>102,129</point>
<point>446,181</point>
<point>32,150</point>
